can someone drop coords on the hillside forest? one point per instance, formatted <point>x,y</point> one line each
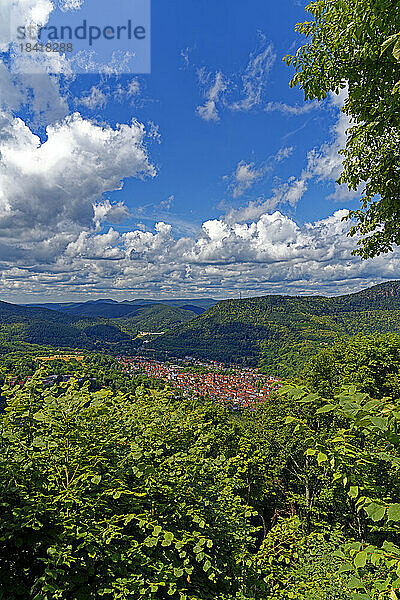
<point>121,487</point>
<point>115,486</point>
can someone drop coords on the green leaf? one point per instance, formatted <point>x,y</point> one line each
<point>353,491</point>
<point>355,584</point>
<point>388,42</point>
<point>321,458</point>
<point>396,49</point>
<point>178,572</point>
<point>168,538</point>
<point>391,547</point>
<point>393,513</point>
<point>379,422</point>
<point>310,452</point>
<point>375,511</point>
<point>309,398</point>
<point>206,566</point>
<point>360,560</point>
<point>96,479</point>
<point>345,568</point>
<point>150,542</point>
<point>396,87</point>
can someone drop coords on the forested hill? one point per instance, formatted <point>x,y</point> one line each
<point>23,325</point>
<point>385,296</point>
<point>111,309</point>
<point>280,333</point>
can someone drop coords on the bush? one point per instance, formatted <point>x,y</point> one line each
<point>106,496</point>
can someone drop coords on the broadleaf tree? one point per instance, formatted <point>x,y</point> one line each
<point>355,44</point>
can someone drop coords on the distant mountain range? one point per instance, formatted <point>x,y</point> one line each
<point>111,309</point>
<point>88,325</point>
<point>277,333</point>
<point>280,333</point>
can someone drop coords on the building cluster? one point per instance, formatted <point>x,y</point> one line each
<point>240,387</point>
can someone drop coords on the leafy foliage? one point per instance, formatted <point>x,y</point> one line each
<point>363,455</point>
<point>349,46</point>
<point>145,494</point>
<point>101,497</point>
<point>372,363</point>
<point>114,486</point>
<point>299,566</point>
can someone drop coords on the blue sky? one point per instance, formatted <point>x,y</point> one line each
<point>209,176</point>
<point>195,155</point>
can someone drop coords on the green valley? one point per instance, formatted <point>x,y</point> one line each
<point>22,326</point>
<point>280,333</point>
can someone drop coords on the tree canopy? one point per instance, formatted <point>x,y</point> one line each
<point>146,494</point>
<point>355,43</point>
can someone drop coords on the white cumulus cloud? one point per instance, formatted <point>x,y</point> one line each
<point>55,185</point>
<point>270,254</point>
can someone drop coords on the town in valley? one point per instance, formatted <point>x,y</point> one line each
<point>240,387</point>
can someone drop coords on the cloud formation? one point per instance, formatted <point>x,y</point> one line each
<point>55,220</point>
<point>55,184</point>
<point>324,164</point>
<point>244,91</point>
<point>268,255</point>
<point>289,109</point>
<point>21,12</point>
<point>255,77</point>
<point>52,187</point>
<point>100,95</point>
<point>245,176</point>
<point>213,92</point>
